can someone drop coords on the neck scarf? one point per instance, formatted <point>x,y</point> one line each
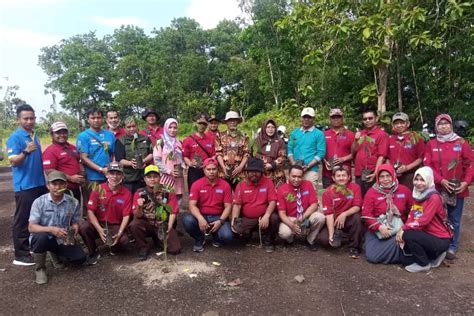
<point>389,192</point>
<point>427,174</point>
<point>172,144</point>
<point>263,139</point>
<point>451,137</point>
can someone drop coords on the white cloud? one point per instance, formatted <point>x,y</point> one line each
<point>26,38</point>
<point>210,12</point>
<point>116,22</point>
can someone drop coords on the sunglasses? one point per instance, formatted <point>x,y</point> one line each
<point>368,118</point>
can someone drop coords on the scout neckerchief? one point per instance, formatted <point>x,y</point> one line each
<point>299,205</point>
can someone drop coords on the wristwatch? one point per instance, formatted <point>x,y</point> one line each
<point>25,152</point>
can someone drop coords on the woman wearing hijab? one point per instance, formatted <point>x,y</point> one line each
<point>270,148</point>
<point>168,156</point>
<point>425,237</point>
<point>450,156</point>
<point>386,206</point>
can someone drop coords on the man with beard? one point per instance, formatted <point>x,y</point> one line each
<point>210,203</point>
<point>255,198</point>
<point>298,209</point>
<point>63,156</point>
<point>370,149</point>
<point>406,149</point>
<point>108,213</point>
<point>153,130</point>
<point>113,123</point>
<point>196,148</point>
<point>24,154</point>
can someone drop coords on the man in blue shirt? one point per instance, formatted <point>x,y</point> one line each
<point>307,146</point>
<point>24,154</point>
<point>97,147</point>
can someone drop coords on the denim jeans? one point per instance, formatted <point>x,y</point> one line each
<point>454,217</point>
<point>191,225</point>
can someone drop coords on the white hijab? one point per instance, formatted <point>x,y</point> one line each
<point>427,174</point>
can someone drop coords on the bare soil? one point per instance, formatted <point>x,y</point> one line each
<point>198,284</point>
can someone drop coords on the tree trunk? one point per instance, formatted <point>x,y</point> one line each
<point>382,89</point>
<point>399,80</point>
<point>272,80</point>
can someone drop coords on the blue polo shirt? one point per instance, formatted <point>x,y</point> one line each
<point>29,174</point>
<point>99,146</point>
<point>307,145</point>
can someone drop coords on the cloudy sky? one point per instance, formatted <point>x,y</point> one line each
<point>28,25</point>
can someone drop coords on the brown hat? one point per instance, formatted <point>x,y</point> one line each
<point>56,175</point>
<point>336,112</point>
<point>114,166</point>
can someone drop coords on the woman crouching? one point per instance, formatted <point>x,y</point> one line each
<point>425,237</point>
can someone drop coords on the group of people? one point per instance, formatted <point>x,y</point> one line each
<point>130,184</point>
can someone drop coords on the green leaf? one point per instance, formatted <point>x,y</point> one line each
<point>366,32</point>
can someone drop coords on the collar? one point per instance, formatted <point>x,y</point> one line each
<point>209,182</point>
<point>307,130</point>
<point>52,201</point>
<point>23,132</point>
<point>153,129</point>
<point>107,188</point>
<point>98,132</point>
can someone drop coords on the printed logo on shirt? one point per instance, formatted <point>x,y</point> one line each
<point>337,199</point>
<point>94,142</point>
<point>248,191</point>
<point>209,145</point>
<point>381,198</point>
<point>328,137</point>
<point>457,147</point>
<point>120,201</point>
<point>392,146</point>
<point>10,150</point>
<point>202,191</point>
<point>350,197</point>
<point>343,137</point>
<point>305,193</point>
<point>90,203</point>
<point>219,191</point>
<point>325,208</point>
<point>407,146</point>
<point>263,190</point>
<point>401,195</point>
<point>63,154</point>
<point>417,212</point>
<point>436,149</point>
<point>46,162</point>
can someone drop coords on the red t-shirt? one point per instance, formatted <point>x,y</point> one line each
<point>409,148</point>
<point>376,142</point>
<point>112,207</point>
<point>190,146</point>
<point>212,135</point>
<point>428,216</point>
<point>459,150</point>
<point>375,205</point>
<point>254,198</point>
<point>336,202</point>
<point>118,133</point>
<point>172,201</point>
<point>64,158</point>
<point>338,144</point>
<point>152,133</point>
<point>286,196</point>
<point>211,197</point>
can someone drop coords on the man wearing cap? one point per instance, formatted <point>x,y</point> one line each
<point>113,123</point>
<point>146,223</point>
<point>196,148</point>
<point>54,227</point>
<point>254,203</point>
<point>134,152</point>
<point>24,154</point>
<point>298,209</point>
<point>97,147</point>
<point>108,213</point>
<point>232,150</point>
<point>339,140</point>
<point>307,146</point>
<point>63,156</point>
<point>153,130</point>
<point>213,128</point>
<point>406,149</point>
<point>370,148</point>
<point>210,203</point>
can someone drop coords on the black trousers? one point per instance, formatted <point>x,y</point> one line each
<point>42,242</point>
<point>421,247</point>
<point>24,199</point>
<point>194,174</point>
<point>364,185</point>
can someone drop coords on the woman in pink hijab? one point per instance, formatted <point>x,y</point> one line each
<point>168,156</point>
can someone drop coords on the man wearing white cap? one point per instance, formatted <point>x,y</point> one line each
<point>63,156</point>
<point>232,150</point>
<point>307,146</point>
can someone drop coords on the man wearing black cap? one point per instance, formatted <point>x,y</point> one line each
<point>153,130</point>
<point>54,226</point>
<point>213,130</point>
<point>255,197</point>
<point>197,148</point>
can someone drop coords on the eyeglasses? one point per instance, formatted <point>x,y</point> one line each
<point>368,118</point>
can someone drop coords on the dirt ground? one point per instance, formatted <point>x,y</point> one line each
<point>199,283</point>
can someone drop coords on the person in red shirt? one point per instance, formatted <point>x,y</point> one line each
<point>213,130</point>
<point>298,209</point>
<point>196,148</point>
<point>145,222</point>
<point>63,156</point>
<point>406,149</point>
<point>210,203</point>
<point>392,201</point>
<point>108,213</point>
<point>339,141</point>
<point>425,237</point>
<point>341,205</point>
<point>370,148</point>
<point>153,130</point>
<point>113,123</point>
<point>254,205</point>
<point>451,158</point>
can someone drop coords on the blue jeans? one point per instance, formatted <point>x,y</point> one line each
<point>454,217</point>
<point>191,225</point>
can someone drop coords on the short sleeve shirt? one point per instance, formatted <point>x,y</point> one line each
<point>287,197</point>
<point>336,201</point>
<point>191,146</point>
<point>29,174</point>
<point>63,158</point>
<point>98,146</point>
<point>47,213</point>
<point>254,198</point>
<point>372,144</point>
<point>109,206</point>
<point>149,206</point>
<point>211,197</point>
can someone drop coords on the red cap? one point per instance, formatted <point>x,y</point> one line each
<point>210,161</point>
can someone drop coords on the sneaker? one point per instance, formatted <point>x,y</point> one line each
<point>354,253</point>
<point>450,255</point>
<point>437,262</point>
<point>24,261</point>
<point>415,267</point>
<point>113,254</point>
<point>269,248</point>
<point>131,240</point>
<point>216,244</point>
<point>312,247</point>
<point>93,259</point>
<point>198,246</point>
